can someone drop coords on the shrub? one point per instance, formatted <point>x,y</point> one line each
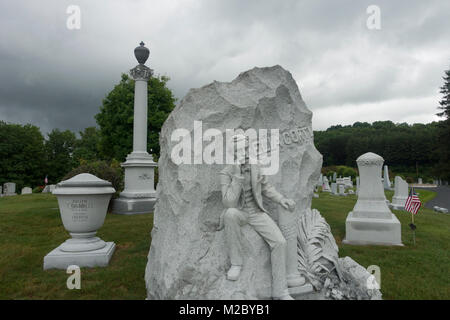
<point>107,170</point>
<point>38,189</point>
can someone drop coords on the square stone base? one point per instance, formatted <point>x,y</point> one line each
<point>133,206</point>
<point>297,292</point>
<point>396,206</point>
<point>368,231</point>
<point>58,259</point>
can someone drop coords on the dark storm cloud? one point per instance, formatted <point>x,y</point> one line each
<point>56,78</point>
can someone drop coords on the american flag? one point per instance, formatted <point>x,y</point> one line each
<point>46,180</point>
<point>412,202</point>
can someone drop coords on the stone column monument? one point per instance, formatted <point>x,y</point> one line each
<point>371,221</point>
<point>139,195</point>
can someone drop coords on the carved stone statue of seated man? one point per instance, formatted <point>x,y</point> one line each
<point>243,186</point>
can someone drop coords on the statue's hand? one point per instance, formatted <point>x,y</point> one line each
<point>288,204</point>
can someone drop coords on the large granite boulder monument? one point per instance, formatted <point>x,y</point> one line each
<point>188,257</point>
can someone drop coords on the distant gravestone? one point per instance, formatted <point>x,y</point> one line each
<point>26,190</point>
<point>348,183</point>
<point>52,188</point>
<point>9,189</point>
<point>419,181</point>
<point>371,221</point>
<point>440,209</point>
<point>400,194</point>
<point>357,185</point>
<point>325,185</point>
<point>386,181</point>
<point>342,190</point>
<point>334,176</point>
<point>1,191</point>
<point>46,189</point>
<point>334,188</point>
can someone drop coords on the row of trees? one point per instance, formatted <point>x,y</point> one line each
<point>418,150</point>
<point>27,157</point>
<point>407,148</point>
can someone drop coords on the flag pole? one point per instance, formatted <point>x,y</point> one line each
<point>414,229</point>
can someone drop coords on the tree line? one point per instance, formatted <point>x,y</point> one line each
<point>411,150</point>
<point>26,157</point>
<point>418,150</point>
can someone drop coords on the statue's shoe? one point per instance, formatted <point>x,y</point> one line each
<point>285,297</point>
<point>234,273</point>
<point>296,281</point>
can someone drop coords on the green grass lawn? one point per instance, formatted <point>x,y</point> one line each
<point>30,227</point>
<point>410,272</point>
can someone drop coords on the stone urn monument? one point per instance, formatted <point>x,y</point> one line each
<point>83,201</point>
<point>371,221</point>
<point>201,203</point>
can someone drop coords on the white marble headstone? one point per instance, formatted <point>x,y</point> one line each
<point>9,189</point>
<point>371,221</point>
<point>386,181</point>
<point>400,194</point>
<point>26,190</point>
<point>334,188</point>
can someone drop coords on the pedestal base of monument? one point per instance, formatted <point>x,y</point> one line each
<point>139,195</point>
<point>58,259</point>
<point>376,231</point>
<point>297,292</point>
<point>133,206</point>
<point>398,203</point>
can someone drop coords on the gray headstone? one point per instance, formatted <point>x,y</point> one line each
<point>400,194</point>
<point>334,188</point>
<point>9,189</point>
<point>26,190</point>
<point>342,190</point>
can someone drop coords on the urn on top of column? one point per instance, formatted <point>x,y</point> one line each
<point>141,53</point>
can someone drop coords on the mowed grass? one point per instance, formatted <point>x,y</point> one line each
<point>420,271</point>
<point>30,227</point>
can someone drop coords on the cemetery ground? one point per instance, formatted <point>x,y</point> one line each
<point>30,227</point>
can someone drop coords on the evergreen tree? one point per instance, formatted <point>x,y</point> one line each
<point>442,169</point>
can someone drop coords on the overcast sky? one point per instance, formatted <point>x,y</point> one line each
<point>54,77</point>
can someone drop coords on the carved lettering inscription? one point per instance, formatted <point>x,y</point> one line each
<point>297,135</point>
